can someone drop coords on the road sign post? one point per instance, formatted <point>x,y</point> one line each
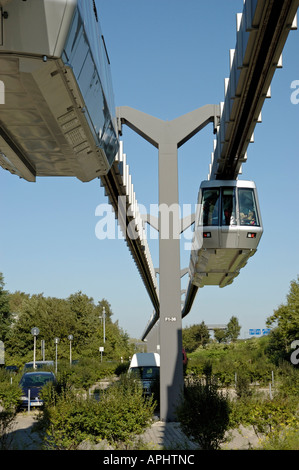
<point>101,349</point>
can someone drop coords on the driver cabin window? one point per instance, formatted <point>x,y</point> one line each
<point>210,206</point>
<point>247,207</point>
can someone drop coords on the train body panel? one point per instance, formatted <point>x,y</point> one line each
<point>58,115</point>
<point>228,229</point>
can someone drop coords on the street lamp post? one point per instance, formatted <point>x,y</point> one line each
<point>34,332</point>
<point>56,341</point>
<point>42,343</point>
<point>104,318</point>
<point>70,337</point>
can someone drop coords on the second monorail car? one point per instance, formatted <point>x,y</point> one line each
<point>58,115</point>
<point>228,228</point>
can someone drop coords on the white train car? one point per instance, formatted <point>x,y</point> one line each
<point>57,116</point>
<point>228,228</point>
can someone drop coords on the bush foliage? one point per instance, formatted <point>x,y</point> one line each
<point>204,413</point>
<point>121,413</point>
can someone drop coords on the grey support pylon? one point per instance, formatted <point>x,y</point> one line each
<point>168,136</point>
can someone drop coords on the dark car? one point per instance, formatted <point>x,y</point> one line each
<point>39,365</point>
<point>32,384</point>
<point>12,369</point>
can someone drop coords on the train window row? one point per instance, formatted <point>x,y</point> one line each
<point>229,206</point>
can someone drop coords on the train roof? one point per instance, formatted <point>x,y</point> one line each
<point>234,183</point>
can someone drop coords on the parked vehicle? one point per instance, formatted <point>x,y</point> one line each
<point>146,367</point>
<point>12,369</point>
<point>32,384</point>
<point>39,365</point>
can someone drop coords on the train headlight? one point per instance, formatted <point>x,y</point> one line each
<point>251,235</point>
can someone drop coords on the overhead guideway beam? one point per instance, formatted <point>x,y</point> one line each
<point>262,31</point>
<point>121,195</point>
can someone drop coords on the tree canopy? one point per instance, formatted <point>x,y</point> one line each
<point>195,336</point>
<point>284,323</point>
<point>4,310</point>
<point>78,315</point>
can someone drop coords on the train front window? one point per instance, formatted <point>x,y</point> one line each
<point>228,212</point>
<point>247,207</point>
<point>210,205</point>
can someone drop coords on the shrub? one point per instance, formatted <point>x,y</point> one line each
<point>267,417</point>
<point>121,368</point>
<point>288,380</point>
<point>243,386</point>
<point>87,372</point>
<point>10,394</point>
<point>125,412</point>
<point>204,413</point>
<point>284,439</point>
<point>121,413</point>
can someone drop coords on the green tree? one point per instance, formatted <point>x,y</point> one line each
<point>53,318</point>
<point>195,336</point>
<point>77,315</point>
<point>233,329</point>
<point>220,335</point>
<point>286,318</point>
<point>5,317</point>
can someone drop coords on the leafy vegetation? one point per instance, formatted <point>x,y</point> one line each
<point>5,315</point>
<point>204,413</point>
<point>10,395</point>
<point>262,375</point>
<point>244,368</point>
<point>121,413</point>
<point>77,316</point>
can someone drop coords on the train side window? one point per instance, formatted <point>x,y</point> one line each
<point>210,206</point>
<point>247,207</point>
<point>228,210</point>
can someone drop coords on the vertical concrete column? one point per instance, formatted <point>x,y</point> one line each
<point>168,136</point>
<point>171,365</point>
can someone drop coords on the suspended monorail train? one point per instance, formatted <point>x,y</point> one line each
<point>57,117</point>
<point>228,228</point>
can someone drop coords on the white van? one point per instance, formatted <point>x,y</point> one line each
<point>146,366</point>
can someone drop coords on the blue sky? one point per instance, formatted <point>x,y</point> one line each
<point>168,57</point>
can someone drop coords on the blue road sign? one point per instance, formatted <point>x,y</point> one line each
<point>255,331</point>
<point>266,331</point>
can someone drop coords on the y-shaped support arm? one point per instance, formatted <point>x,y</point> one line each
<point>179,130</point>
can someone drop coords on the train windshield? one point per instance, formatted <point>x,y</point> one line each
<point>247,207</point>
<point>146,372</point>
<point>227,206</point>
<point>228,211</point>
<point>210,206</point>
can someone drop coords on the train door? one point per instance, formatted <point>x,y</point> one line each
<point>228,218</point>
